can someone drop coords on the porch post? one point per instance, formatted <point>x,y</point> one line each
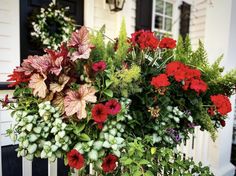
<point>220,38</point>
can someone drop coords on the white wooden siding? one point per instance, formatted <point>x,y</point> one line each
<point>112,20</point>
<point>197,21</point>
<point>9,37</point>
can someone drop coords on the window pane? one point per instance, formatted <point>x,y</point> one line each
<point>169,9</point>
<point>159,6</point>
<point>168,24</point>
<point>158,22</point>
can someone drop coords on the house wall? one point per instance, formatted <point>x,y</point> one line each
<point>9,55</point>
<point>101,15</point>
<point>9,37</point>
<point>198,21</point>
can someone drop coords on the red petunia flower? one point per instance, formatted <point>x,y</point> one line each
<point>75,159</point>
<point>113,107</point>
<point>198,85</point>
<point>99,66</point>
<point>221,103</point>
<point>99,113</point>
<point>144,39</point>
<point>18,77</point>
<point>160,81</point>
<point>109,163</point>
<point>168,43</point>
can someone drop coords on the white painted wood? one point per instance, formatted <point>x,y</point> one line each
<point>9,37</point>
<point>52,168</point>
<point>89,13</point>
<point>26,167</point>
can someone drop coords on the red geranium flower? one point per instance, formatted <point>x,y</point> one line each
<point>168,43</point>
<point>113,107</point>
<point>75,159</point>
<point>109,163</point>
<point>99,113</point>
<point>221,103</point>
<point>173,67</point>
<point>99,66</point>
<point>144,39</point>
<point>198,85</point>
<point>160,81</point>
<point>18,77</point>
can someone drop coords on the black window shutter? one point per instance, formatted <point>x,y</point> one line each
<point>185,11</point>
<point>143,14</point>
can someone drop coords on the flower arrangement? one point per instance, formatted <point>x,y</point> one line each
<point>123,106</point>
<point>51,26</point>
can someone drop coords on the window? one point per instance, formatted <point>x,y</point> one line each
<point>162,16</point>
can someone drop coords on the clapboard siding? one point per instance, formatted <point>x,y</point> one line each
<point>9,37</point>
<point>112,20</point>
<point>197,21</point>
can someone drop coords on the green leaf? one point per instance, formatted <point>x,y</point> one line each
<point>148,173</point>
<point>80,127</point>
<point>127,161</point>
<point>137,173</point>
<point>108,82</point>
<point>143,161</point>
<point>84,137</point>
<point>108,92</point>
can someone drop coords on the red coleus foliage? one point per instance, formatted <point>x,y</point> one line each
<point>109,163</point>
<point>18,77</point>
<point>99,113</point>
<point>222,103</point>
<point>99,66</point>
<point>113,107</point>
<point>75,159</point>
<point>191,78</point>
<point>160,81</point>
<point>168,43</point>
<point>144,39</point>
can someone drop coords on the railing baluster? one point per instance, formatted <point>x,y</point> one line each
<point>26,167</point>
<point>52,168</point>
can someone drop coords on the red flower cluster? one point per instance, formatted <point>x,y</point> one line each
<point>99,66</point>
<point>168,43</point>
<point>144,39</point>
<point>100,111</point>
<point>18,77</point>
<point>109,163</point>
<point>221,103</point>
<point>160,81</point>
<point>75,159</point>
<point>190,77</point>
